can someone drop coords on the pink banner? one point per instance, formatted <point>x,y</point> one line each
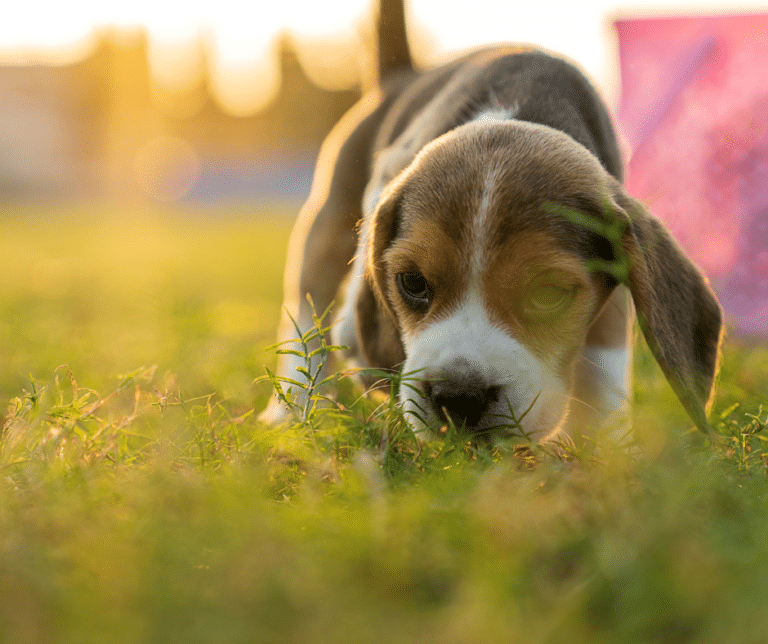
<point>694,109</point>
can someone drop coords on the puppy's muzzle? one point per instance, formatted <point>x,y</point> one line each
<point>460,394</point>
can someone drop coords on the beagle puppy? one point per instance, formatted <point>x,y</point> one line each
<point>499,259</point>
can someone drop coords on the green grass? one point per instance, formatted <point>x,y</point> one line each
<point>141,501</point>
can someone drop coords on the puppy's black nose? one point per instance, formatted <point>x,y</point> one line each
<point>465,399</point>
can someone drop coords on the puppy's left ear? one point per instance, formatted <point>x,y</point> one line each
<point>376,324</point>
<point>377,335</point>
<point>677,310</point>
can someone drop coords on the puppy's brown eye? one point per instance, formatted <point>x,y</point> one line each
<point>415,290</point>
<point>548,298</point>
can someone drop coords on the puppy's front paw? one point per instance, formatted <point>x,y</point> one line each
<point>275,413</point>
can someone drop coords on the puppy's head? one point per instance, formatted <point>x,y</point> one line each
<point>490,256</point>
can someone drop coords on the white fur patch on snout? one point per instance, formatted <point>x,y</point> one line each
<point>468,340</point>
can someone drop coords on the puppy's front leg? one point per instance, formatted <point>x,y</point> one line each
<point>318,253</point>
<point>323,240</point>
<point>602,394</point>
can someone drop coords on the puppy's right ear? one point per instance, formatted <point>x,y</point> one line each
<point>676,308</point>
<point>378,333</point>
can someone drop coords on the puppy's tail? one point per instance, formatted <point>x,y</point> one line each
<point>394,55</point>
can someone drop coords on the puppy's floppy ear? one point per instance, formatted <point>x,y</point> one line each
<point>375,322</point>
<point>677,310</point>
<point>378,336</point>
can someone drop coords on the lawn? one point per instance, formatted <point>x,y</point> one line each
<point>141,501</point>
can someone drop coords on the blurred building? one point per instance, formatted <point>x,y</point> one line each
<point>100,128</point>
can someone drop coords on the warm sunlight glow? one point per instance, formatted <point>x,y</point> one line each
<point>240,36</point>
